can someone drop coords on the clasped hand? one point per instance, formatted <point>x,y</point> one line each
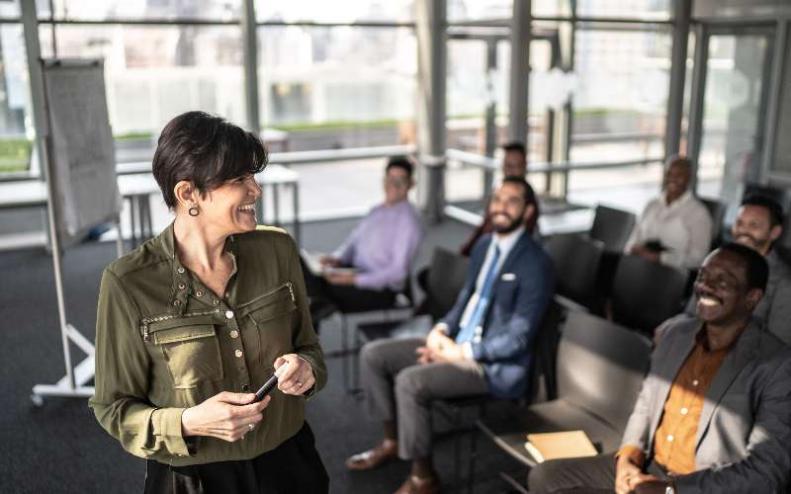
<point>439,348</point>
<point>629,478</point>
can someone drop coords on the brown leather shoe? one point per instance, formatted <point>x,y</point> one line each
<point>378,455</point>
<point>419,485</point>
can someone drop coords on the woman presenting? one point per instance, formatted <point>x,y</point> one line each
<point>194,321</point>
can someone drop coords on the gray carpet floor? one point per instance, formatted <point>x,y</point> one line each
<point>59,447</point>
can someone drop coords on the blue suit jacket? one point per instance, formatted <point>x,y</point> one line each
<point>521,294</point>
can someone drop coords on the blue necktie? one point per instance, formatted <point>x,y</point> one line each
<point>468,331</point>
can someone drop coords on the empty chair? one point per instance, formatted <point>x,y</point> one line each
<point>577,260</point>
<point>612,227</point>
<point>446,277</point>
<point>645,293</point>
<point>600,369</point>
<point>717,212</point>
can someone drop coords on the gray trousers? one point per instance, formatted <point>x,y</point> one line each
<point>593,475</point>
<point>399,389</point>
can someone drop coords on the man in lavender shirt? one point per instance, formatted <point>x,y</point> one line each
<point>380,250</point>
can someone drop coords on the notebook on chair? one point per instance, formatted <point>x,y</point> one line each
<point>558,445</point>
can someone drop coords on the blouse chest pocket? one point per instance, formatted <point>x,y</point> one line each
<point>190,348</point>
<point>270,315</point>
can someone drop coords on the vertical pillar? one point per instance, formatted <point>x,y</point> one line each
<point>430,27</point>
<point>520,71</point>
<point>490,132</point>
<point>33,51</point>
<point>250,53</point>
<point>678,71</point>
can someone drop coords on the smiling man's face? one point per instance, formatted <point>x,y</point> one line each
<point>721,289</point>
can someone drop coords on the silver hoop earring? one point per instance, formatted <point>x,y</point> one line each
<point>193,211</point>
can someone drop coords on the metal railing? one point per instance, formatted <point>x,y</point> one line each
<point>493,164</point>
<point>301,157</point>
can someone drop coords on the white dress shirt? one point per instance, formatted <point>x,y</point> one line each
<point>505,243</point>
<point>683,227</point>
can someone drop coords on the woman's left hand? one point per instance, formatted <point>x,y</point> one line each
<point>297,378</point>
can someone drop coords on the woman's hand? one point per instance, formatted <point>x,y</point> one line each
<point>227,416</point>
<point>298,376</point>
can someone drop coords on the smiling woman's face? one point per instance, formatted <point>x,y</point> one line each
<point>230,208</point>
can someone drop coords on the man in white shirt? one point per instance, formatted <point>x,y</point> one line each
<point>675,228</point>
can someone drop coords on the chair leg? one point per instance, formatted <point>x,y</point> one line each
<point>472,459</point>
<point>457,451</point>
<point>356,359</point>
<point>344,353</point>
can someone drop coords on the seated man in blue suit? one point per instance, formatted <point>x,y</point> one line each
<point>484,345</point>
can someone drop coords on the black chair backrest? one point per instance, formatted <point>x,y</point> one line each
<point>612,227</point>
<point>447,274</point>
<point>645,293</point>
<point>543,385</point>
<point>717,212</point>
<point>601,366</point>
<point>576,259</point>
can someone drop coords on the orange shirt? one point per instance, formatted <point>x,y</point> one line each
<point>674,441</point>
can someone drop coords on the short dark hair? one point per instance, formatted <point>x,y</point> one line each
<point>206,150</point>
<point>754,264</point>
<point>402,162</point>
<point>680,160</point>
<point>515,146</point>
<point>773,207</point>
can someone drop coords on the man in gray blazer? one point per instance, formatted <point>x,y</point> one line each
<point>714,412</point>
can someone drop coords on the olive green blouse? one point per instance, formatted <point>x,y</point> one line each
<point>164,342</point>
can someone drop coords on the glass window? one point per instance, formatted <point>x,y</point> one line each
<point>632,9</point>
<point>338,87</point>
<point>620,95</point>
<point>9,9</point>
<point>153,73</point>
<point>551,8</point>
<point>98,10</point>
<point>470,10</point>
<point>347,11</point>
<point>16,129</point>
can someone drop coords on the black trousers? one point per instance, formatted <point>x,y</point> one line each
<point>347,298</point>
<point>294,466</point>
<point>594,475</point>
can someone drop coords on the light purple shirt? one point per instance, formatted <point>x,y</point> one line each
<point>383,245</point>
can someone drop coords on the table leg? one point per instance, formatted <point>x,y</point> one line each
<point>276,203</point>
<point>132,222</point>
<point>259,207</point>
<point>297,223</point>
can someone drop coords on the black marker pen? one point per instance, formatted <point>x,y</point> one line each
<point>270,383</point>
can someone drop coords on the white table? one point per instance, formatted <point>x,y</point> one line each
<point>138,189</point>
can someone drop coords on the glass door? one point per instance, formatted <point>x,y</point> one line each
<point>730,87</point>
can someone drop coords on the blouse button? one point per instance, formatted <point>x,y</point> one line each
<point>695,383</point>
<point>182,286</point>
<point>684,411</point>
<point>669,437</point>
<point>238,353</point>
<point>177,302</point>
<point>229,314</point>
<point>234,334</point>
<point>180,270</point>
<point>199,293</point>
